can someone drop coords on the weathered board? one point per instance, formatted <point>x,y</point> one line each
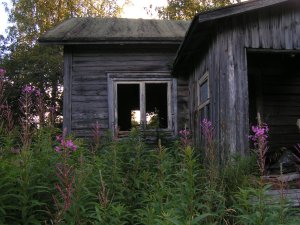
<point>273,28</point>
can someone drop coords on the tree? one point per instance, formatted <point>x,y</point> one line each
<point>187,9</point>
<point>27,62</point>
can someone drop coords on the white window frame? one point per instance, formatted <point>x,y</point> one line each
<point>141,78</point>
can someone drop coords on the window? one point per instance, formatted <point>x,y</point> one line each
<point>139,101</point>
<point>203,91</point>
<point>203,110</point>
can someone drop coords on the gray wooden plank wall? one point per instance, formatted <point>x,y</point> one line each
<point>89,95</point>
<point>226,62</point>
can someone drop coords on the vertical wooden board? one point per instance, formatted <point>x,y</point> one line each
<point>67,89</point>
<point>275,29</point>
<point>242,93</point>
<point>231,109</point>
<point>297,29</point>
<point>265,38</point>
<point>217,94</point>
<point>111,104</point>
<point>221,53</point>
<point>254,29</point>
<point>293,28</point>
<point>182,102</point>
<point>287,28</point>
<point>281,35</point>
<point>213,65</point>
<point>245,31</point>
<point>237,44</point>
<point>174,97</point>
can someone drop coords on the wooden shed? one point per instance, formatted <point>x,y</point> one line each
<point>117,72</point>
<point>243,63</point>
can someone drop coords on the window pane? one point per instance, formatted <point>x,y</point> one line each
<point>157,105</point>
<point>128,106</point>
<point>203,91</point>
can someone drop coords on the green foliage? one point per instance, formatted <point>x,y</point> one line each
<point>27,62</point>
<point>126,182</point>
<point>187,9</point>
<point>253,206</point>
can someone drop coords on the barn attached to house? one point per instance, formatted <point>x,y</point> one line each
<point>117,72</point>
<point>243,65</point>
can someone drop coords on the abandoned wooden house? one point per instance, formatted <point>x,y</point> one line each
<point>118,72</point>
<point>234,64</point>
<point>243,64</point>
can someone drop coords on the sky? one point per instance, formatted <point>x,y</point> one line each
<point>134,10</point>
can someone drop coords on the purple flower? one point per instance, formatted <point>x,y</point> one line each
<point>260,133</point>
<point>52,109</point>
<point>65,145</point>
<point>58,138</point>
<point>207,129</point>
<point>37,92</point>
<point>71,145</point>
<point>185,137</point>
<point>2,71</point>
<point>28,89</point>
<point>57,149</point>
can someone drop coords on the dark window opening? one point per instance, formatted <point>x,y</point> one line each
<point>156,105</point>
<point>128,106</point>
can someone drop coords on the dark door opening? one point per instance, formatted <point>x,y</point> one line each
<point>128,105</point>
<point>274,94</point>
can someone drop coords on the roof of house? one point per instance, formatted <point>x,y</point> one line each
<point>115,31</point>
<point>202,24</point>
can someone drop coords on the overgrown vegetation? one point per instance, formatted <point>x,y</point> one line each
<point>49,178</point>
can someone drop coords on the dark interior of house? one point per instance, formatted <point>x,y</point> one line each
<point>157,105</point>
<point>128,101</point>
<point>274,97</point>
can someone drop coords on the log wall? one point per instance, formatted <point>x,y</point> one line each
<point>86,92</point>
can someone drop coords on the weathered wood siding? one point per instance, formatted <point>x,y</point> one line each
<point>87,68</point>
<point>226,62</point>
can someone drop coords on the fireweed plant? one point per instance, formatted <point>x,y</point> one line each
<point>260,141</point>
<point>66,178</point>
<point>62,180</point>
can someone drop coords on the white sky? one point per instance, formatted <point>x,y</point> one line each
<point>134,10</point>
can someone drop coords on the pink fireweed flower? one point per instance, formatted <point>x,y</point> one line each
<point>260,134</point>
<point>259,139</point>
<point>37,92</point>
<point>67,145</point>
<point>58,138</point>
<point>71,145</point>
<point>185,137</point>
<point>207,129</point>
<point>28,89</point>
<point>2,72</point>
<point>52,109</point>
<point>57,149</point>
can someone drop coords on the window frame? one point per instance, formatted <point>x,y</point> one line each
<point>141,78</point>
<point>201,81</point>
<point>202,107</point>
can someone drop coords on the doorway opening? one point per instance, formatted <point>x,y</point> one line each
<point>274,98</point>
